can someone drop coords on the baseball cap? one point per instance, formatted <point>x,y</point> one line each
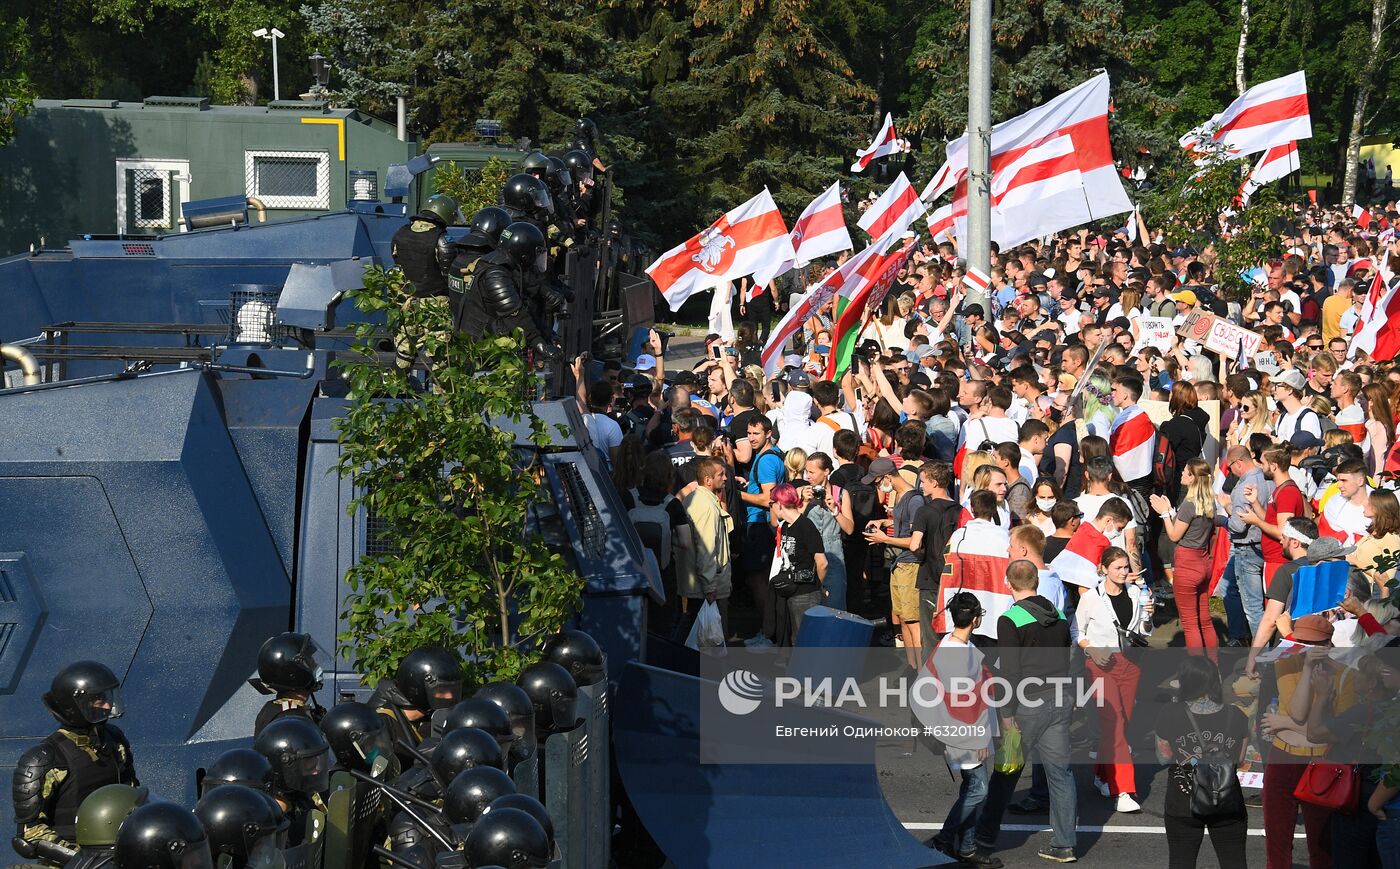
<point>798,379</point>
<point>974,309</point>
<point>926,350</point>
<point>869,345</point>
<point>1103,293</point>
<point>686,378</point>
<point>792,360</point>
<point>1292,377</point>
<point>1184,296</point>
<point>1312,629</point>
<point>881,467</point>
<point>1304,440</point>
<point>645,362</point>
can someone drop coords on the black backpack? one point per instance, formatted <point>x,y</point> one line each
<point>1164,469</point>
<point>1215,790</point>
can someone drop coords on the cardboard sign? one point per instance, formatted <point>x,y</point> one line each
<point>1155,332</point>
<point>1267,363</point>
<point>1220,335</point>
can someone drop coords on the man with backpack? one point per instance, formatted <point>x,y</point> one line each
<point>1294,416</point>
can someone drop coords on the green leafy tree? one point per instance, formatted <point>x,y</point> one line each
<point>1039,49</point>
<point>1201,206</point>
<point>766,102</point>
<point>472,194</point>
<point>451,492</point>
<point>16,91</point>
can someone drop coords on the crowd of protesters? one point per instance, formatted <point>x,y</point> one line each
<point>1115,483</point>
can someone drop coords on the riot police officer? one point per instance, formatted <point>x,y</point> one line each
<point>578,653</point>
<point>288,666</point>
<point>163,836</point>
<point>427,679</point>
<point>99,818</point>
<point>509,838</point>
<point>527,198</point>
<point>421,248</point>
<point>589,203</point>
<point>519,709</point>
<point>245,825</point>
<point>360,740</point>
<point>485,235</point>
<point>554,695</point>
<point>495,303</point>
<point>85,753</point>
<point>300,758</point>
<point>238,766</point>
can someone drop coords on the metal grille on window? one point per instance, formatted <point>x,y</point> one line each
<point>289,179</point>
<point>377,541</point>
<point>590,524</point>
<point>252,317</point>
<point>148,198</point>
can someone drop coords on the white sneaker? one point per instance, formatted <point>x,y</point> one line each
<point>1127,804</point>
<point>1102,787</point>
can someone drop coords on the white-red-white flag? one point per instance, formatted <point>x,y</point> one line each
<point>1038,193</point>
<point>821,230</point>
<point>976,561</point>
<point>940,224</point>
<point>977,280</point>
<point>886,142</point>
<point>1078,563</point>
<point>1361,215</point>
<point>819,294</point>
<point>1081,114</point>
<point>898,205</point>
<point>1278,162</point>
<point>1271,113</point>
<point>1131,441</point>
<point>1378,329</point>
<point>748,240</point>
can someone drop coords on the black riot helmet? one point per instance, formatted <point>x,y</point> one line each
<point>526,246</point>
<point>430,678</point>
<point>162,836</point>
<point>103,811</point>
<point>359,738</point>
<point>578,653</point>
<point>482,714</point>
<point>466,748</point>
<point>83,694</point>
<point>519,709</point>
<point>554,695</point>
<point>238,766</point>
<point>536,164</point>
<point>585,130</point>
<point>245,824</point>
<point>472,790</point>
<point>526,194</point>
<point>580,164</point>
<point>490,220</point>
<point>299,754</point>
<point>508,838</point>
<point>530,806</point>
<point>288,662</point>
<point>561,178</point>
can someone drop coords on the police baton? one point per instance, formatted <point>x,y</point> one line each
<point>405,799</point>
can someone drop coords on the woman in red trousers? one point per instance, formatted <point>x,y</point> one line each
<point>1191,526</point>
<point>1107,616</point>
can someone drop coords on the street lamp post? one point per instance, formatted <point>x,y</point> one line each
<point>273,34</point>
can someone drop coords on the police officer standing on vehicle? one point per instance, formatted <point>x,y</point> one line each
<point>85,753</point>
<point>288,667</point>
<point>485,235</point>
<point>495,302</point>
<point>423,252</point>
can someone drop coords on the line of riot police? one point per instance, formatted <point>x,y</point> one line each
<point>417,777</point>
<point>508,271</point>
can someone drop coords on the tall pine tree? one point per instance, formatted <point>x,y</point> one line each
<point>768,102</point>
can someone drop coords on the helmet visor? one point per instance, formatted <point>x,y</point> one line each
<point>265,854</point>
<point>194,855</point>
<point>443,693</point>
<point>541,264</point>
<point>98,706</point>
<point>310,773</point>
<point>540,196</point>
<point>310,656</point>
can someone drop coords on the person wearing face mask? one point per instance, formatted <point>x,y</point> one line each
<point>1045,494</point>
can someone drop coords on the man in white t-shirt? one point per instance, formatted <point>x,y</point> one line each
<point>827,396</point>
<point>1288,389</point>
<point>594,402</point>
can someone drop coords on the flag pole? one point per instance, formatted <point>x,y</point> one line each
<point>979,138</point>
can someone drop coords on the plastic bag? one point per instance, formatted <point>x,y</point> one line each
<point>1009,758</point>
<point>707,634</point>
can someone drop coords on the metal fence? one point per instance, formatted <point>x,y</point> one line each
<point>148,198</point>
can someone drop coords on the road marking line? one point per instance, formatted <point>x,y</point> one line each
<point>1090,828</point>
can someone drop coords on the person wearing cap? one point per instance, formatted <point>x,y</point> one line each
<point>1185,301</point>
<point>1099,304</point>
<point>897,532</point>
<point>1290,751</point>
<point>968,725</point>
<point>1294,416</point>
<point>1299,535</point>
